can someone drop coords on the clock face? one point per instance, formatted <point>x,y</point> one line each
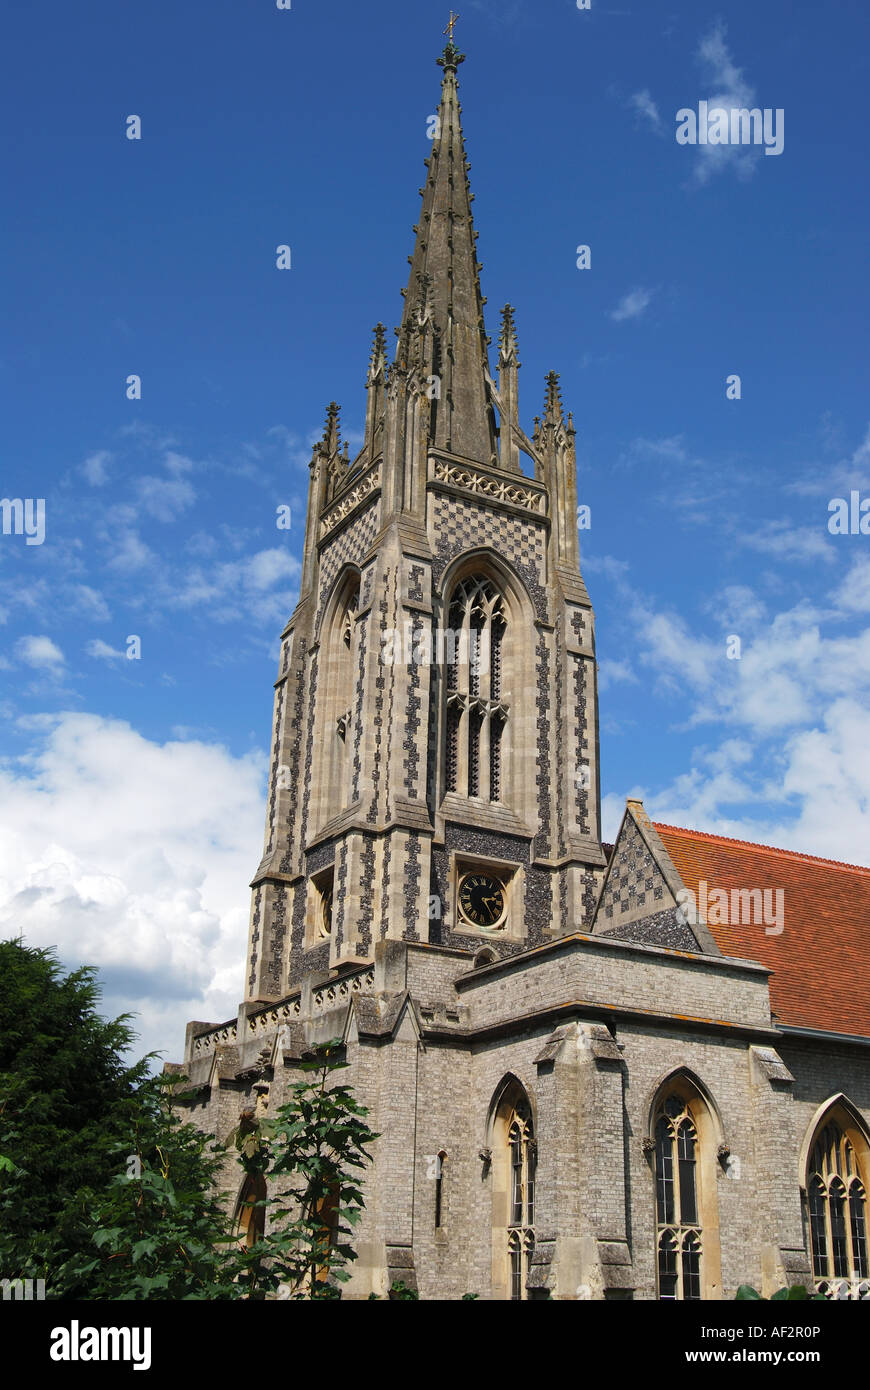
<point>482,900</point>
<point>326,911</point>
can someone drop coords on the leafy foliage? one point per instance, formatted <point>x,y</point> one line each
<point>66,1097</point>
<point>106,1193</point>
<point>400,1292</point>
<point>316,1148</point>
<point>793,1293</point>
<point>161,1233</point>
<point>157,1231</point>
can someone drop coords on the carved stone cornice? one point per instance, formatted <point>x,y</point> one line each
<point>491,484</point>
<point>348,501</point>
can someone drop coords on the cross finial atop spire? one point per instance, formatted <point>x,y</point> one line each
<point>451,57</point>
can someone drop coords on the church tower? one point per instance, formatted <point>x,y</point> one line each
<point>579,1086</point>
<point>434,766</point>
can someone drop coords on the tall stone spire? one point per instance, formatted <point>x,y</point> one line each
<point>445,270</point>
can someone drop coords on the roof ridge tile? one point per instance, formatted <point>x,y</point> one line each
<point>709,837</point>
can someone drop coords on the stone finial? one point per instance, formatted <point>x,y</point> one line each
<point>332,430</point>
<point>378,358</point>
<point>553,406</point>
<point>508,337</point>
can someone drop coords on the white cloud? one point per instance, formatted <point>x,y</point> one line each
<point>727,88</point>
<point>643,103</point>
<point>738,608</point>
<point>103,652</point>
<point>669,447</point>
<point>824,481</point>
<point>853,594</point>
<point>131,552</point>
<point>823,775</point>
<point>40,652</point>
<point>792,717</point>
<point>783,541</point>
<point>165,498</point>
<point>178,463</point>
<point>95,468</point>
<point>237,589</point>
<point>611,672</point>
<point>89,603</point>
<point>267,567</point>
<point>631,305</point>
<point>135,857</point>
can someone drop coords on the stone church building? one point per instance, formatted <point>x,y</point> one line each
<point>634,1071</point>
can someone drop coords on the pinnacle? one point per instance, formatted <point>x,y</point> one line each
<point>553,407</point>
<point>332,429</point>
<point>379,349</point>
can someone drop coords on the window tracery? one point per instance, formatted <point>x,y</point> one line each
<point>476,712</point>
<point>679,1235</point>
<point>837,1207</point>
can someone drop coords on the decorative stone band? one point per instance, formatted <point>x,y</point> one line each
<point>328,995</point>
<point>484,484</point>
<point>858,1289</point>
<point>274,1015</point>
<point>495,708</point>
<point>267,1020</point>
<point>207,1042</point>
<point>362,488</point>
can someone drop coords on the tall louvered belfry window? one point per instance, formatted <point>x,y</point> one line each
<point>476,713</point>
<point>837,1202</point>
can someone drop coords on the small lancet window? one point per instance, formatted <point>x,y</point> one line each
<point>440,1161</point>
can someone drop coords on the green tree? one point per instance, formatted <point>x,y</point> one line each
<point>67,1095</point>
<point>158,1230</point>
<point>161,1233</point>
<point>314,1152</point>
<point>106,1193</point>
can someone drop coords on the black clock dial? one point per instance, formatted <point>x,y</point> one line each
<point>482,900</point>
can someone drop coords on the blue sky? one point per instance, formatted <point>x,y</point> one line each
<point>132,791</point>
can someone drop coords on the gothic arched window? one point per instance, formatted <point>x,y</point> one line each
<point>250,1213</point>
<point>678,1220</point>
<point>475,711</point>
<point>837,1206</point>
<point>523,1161</point>
<point>344,662</point>
<point>337,677</point>
<point>514,1158</point>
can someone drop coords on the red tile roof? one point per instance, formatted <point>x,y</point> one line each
<point>821,959</point>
